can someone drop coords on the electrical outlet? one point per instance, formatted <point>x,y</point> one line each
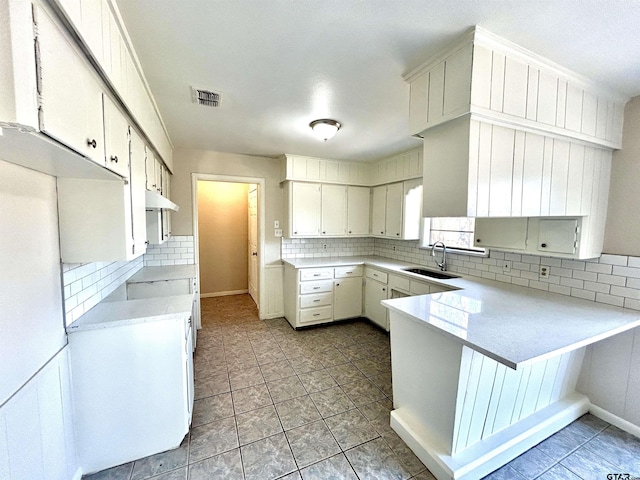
<point>506,266</point>
<point>394,248</point>
<point>278,232</point>
<point>324,246</point>
<point>276,224</point>
<point>544,271</point>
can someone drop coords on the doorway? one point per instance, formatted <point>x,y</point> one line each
<point>228,235</point>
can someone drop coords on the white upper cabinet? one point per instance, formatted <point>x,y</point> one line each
<point>304,209</point>
<point>116,139</point>
<point>358,202</point>
<point>378,210</point>
<point>136,185</point>
<point>486,75</point>
<point>70,94</point>
<point>334,210</point>
<point>395,210</point>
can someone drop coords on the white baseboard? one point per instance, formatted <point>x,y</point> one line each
<point>223,294</point>
<point>272,315</point>
<point>609,417</point>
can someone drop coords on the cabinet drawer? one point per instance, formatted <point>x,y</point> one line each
<point>315,274</point>
<point>345,272</point>
<point>399,283</point>
<point>419,288</point>
<point>316,300</point>
<point>315,314</point>
<point>316,287</point>
<point>376,274</point>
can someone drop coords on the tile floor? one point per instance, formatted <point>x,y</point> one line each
<point>314,404</point>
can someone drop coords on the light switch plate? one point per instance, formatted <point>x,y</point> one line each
<point>278,232</point>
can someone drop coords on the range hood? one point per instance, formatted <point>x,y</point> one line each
<point>155,201</point>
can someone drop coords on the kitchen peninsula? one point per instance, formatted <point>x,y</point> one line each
<point>483,373</point>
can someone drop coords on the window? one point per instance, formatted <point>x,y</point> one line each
<point>455,232</point>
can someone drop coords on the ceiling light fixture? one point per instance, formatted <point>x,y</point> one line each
<point>325,128</point>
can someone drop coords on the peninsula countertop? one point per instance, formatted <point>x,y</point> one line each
<point>513,325</point>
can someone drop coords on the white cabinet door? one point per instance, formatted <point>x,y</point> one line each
<point>412,209</point>
<point>305,209</point>
<point>374,293</point>
<point>334,210</point>
<point>393,210</point>
<point>91,27</point>
<point>116,139</point>
<point>358,201</point>
<point>137,185</point>
<point>378,210</point>
<point>347,298</point>
<point>557,236</point>
<point>150,169</point>
<point>70,95</point>
<point>508,233</point>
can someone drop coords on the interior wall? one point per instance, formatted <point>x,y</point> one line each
<point>223,231</point>
<point>189,161</point>
<point>622,228</point>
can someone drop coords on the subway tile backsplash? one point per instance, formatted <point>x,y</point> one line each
<point>326,247</point>
<point>610,279</point>
<point>85,284</point>
<point>178,250</point>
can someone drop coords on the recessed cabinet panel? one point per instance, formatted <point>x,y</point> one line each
<point>375,292</point>
<point>305,209</point>
<point>358,201</point>
<point>347,301</point>
<point>557,236</point>
<point>116,139</point>
<point>136,184</point>
<point>436,93</point>
<point>393,211</point>
<point>334,210</point>
<point>71,97</point>
<point>510,233</point>
<point>378,209</point>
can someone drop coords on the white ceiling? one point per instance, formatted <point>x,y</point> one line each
<point>283,63</point>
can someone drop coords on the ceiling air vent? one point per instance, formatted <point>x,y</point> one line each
<point>206,97</point>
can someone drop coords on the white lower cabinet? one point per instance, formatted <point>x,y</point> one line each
<point>347,298</point>
<point>322,295</point>
<point>132,388</point>
<point>374,293</point>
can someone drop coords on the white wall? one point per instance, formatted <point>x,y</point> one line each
<point>36,427</point>
<point>187,162</point>
<point>622,232</point>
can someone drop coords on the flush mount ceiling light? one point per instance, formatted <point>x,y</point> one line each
<point>325,128</point>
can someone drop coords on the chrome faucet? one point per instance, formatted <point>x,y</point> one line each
<point>443,264</point>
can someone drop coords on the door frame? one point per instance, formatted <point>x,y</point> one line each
<point>195,177</point>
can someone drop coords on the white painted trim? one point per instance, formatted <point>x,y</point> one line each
<point>261,182</point>
<point>223,294</point>
<point>77,474</point>
<point>609,417</point>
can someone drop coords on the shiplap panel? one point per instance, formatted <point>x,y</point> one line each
<point>501,171</point>
<point>611,110</point>
<point>313,169</point>
<point>508,396</point>
<point>521,391</point>
<point>474,158</point>
<point>561,105</point>
<point>492,409</point>
<point>573,113</point>
<point>601,117</point>
<point>547,98</point>
<point>52,428</point>
<point>516,75</point>
<point>419,95</point>
<point>589,113</point>
<point>481,76</point>
<point>559,178</point>
<point>466,361</point>
<point>575,178</point>
<point>532,389</point>
<point>532,175</point>
<point>470,391</point>
<point>274,290</point>
<point>436,93</point>
<point>532,93</point>
<point>587,180</point>
<point>457,81</point>
<point>482,400</point>
<point>518,173</point>
<point>561,372</point>
<point>545,395</point>
<point>484,169</point>
<point>497,81</point>
<point>547,165</point>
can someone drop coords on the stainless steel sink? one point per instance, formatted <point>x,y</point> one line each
<point>430,273</point>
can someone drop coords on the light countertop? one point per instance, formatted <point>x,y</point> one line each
<point>129,312</point>
<point>169,272</point>
<point>513,325</point>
